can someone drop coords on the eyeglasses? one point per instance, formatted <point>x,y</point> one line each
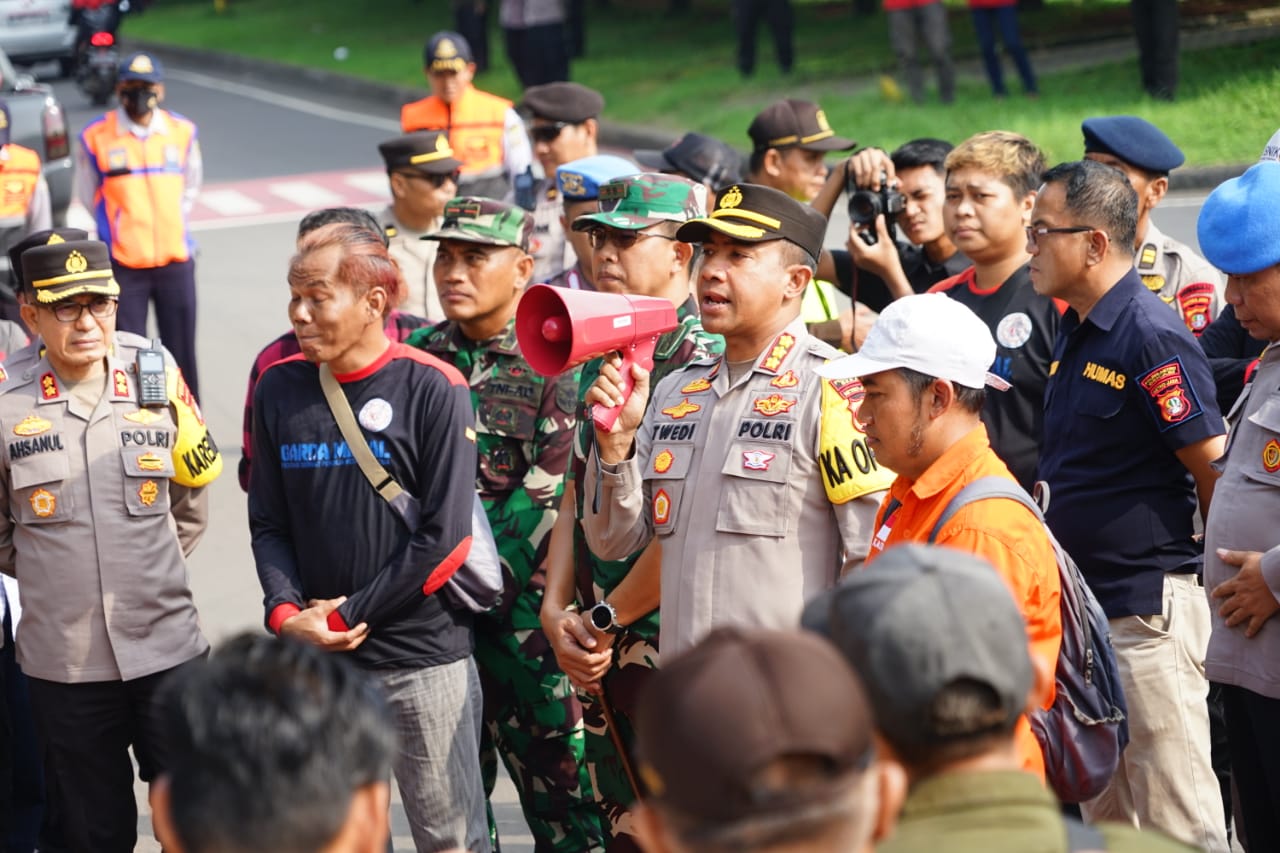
<point>547,132</point>
<point>69,312</point>
<point>436,180</point>
<point>599,235</point>
<point>1035,232</point>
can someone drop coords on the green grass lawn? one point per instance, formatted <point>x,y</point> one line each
<point>678,73</point>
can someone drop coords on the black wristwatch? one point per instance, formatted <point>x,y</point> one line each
<point>605,619</point>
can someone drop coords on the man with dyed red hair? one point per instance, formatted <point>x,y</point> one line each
<point>348,571</point>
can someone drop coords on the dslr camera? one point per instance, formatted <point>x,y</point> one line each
<point>866,205</point>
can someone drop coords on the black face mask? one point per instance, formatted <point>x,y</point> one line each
<point>138,103</point>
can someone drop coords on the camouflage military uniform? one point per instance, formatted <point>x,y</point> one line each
<point>1184,280</point>
<point>532,715</point>
<point>635,652</point>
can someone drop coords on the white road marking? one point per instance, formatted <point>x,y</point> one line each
<point>229,202</point>
<point>286,101</point>
<point>373,183</point>
<point>304,194</point>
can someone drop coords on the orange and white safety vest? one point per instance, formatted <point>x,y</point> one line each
<point>475,122</point>
<point>138,204</point>
<point>19,176</point>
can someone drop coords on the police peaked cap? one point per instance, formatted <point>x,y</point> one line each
<point>754,214</point>
<point>426,150</point>
<point>58,271</point>
<point>570,102</point>
<point>1136,141</point>
<point>40,238</point>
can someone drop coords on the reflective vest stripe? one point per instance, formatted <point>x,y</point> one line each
<point>139,202</point>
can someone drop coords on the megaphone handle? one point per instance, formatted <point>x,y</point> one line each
<point>641,353</point>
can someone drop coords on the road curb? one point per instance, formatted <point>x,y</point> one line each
<point>612,134</point>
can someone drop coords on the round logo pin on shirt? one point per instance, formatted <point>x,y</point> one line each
<point>1014,330</point>
<point>375,415</point>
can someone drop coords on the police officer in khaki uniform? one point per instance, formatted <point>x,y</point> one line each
<point>423,176</point>
<point>564,126</point>
<point>101,477</point>
<point>1171,270</point>
<point>748,466</point>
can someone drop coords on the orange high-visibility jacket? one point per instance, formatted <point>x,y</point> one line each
<point>19,175</point>
<point>475,122</point>
<point>139,200</point>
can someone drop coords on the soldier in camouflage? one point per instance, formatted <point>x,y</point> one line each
<point>635,252</point>
<point>524,427</point>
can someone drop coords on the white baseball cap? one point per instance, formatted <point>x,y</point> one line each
<point>1272,149</point>
<point>930,333</point>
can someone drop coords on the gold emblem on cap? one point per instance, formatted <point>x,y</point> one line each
<point>142,64</point>
<point>731,199</point>
<point>76,262</point>
<point>442,144</point>
<point>54,239</point>
<point>821,116</point>
<point>4,120</point>
<point>446,49</point>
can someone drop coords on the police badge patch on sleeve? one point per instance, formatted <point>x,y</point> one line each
<point>1173,399</point>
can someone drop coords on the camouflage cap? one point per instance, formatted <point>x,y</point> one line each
<point>639,201</point>
<point>483,220</point>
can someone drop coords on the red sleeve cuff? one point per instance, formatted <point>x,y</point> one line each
<point>337,623</point>
<point>281,614</point>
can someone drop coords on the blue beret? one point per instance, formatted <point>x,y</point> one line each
<point>1239,225</point>
<point>1136,141</point>
<point>580,180</point>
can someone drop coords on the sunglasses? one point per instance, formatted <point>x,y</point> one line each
<point>436,180</point>
<point>547,132</point>
<point>599,235</point>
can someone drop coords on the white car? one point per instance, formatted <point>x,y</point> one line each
<point>38,30</point>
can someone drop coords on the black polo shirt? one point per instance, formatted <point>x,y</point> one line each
<point>1130,386</point>
<point>870,289</point>
<point>1024,324</point>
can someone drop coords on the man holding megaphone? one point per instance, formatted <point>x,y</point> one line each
<point>634,228</point>
<point>749,469</point>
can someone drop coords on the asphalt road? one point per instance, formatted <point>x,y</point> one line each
<point>250,134</point>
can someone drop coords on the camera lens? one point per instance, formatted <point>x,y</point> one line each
<point>864,207</point>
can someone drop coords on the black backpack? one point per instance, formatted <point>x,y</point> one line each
<point>1085,730</point>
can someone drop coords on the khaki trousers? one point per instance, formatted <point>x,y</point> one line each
<point>1165,780</point>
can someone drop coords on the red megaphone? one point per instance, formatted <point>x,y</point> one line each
<point>559,328</point>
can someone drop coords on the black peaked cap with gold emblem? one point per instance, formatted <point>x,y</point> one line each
<point>61,270</point>
<point>753,214</point>
<point>792,123</point>
<point>48,237</point>
<point>447,51</point>
<point>425,150</point>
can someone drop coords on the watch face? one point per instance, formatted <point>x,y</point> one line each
<point>601,618</point>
